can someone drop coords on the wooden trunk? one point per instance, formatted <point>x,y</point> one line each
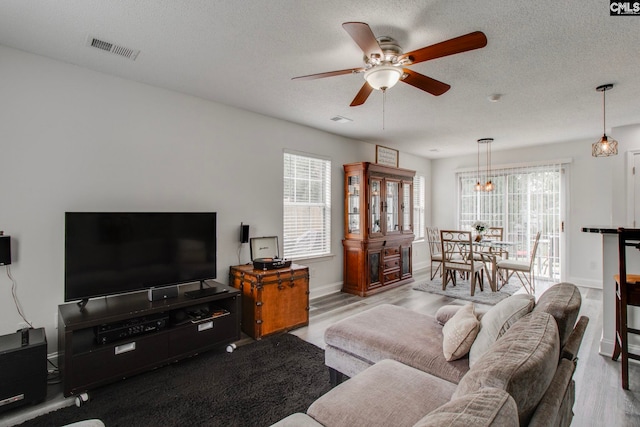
<point>272,300</point>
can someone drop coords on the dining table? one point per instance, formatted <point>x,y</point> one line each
<point>490,252</point>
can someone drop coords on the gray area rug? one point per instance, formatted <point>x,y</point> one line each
<point>462,290</point>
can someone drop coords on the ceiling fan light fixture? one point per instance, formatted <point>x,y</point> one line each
<point>382,77</point>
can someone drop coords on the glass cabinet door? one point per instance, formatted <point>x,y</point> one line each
<point>407,208</point>
<point>353,204</point>
<point>375,208</point>
<point>391,206</point>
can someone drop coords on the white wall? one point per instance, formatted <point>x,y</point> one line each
<point>73,139</point>
<point>590,199</point>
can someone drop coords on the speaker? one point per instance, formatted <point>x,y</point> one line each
<point>157,294</point>
<point>5,250</point>
<point>244,233</point>
<point>23,368</point>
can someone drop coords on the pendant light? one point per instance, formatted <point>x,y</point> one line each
<point>478,186</point>
<point>606,146</point>
<point>488,185</point>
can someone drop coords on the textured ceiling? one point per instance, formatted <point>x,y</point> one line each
<point>544,57</point>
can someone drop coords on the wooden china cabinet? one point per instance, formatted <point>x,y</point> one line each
<point>378,227</point>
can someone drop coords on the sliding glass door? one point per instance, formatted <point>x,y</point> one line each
<point>525,200</point>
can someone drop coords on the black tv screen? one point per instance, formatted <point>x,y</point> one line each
<point>109,253</point>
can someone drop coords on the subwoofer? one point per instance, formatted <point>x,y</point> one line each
<point>23,368</point>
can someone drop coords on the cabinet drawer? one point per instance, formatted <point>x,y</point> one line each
<point>121,360</point>
<point>390,264</point>
<point>391,251</point>
<point>192,337</point>
<point>391,277</point>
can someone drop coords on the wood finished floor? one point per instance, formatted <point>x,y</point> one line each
<point>600,399</point>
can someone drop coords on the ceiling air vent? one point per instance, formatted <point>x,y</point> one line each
<point>340,119</point>
<point>131,54</point>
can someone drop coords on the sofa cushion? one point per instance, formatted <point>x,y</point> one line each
<point>459,333</point>
<point>497,320</point>
<point>391,332</point>
<point>387,394</point>
<point>522,362</point>
<point>486,407</point>
<point>562,301</point>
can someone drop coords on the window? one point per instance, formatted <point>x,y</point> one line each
<point>418,207</point>
<point>307,206</point>
<point>525,200</point>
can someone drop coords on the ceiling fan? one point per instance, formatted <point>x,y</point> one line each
<point>385,63</point>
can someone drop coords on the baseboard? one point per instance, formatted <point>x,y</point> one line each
<point>421,266</point>
<point>606,349</point>
<point>586,283</point>
<point>332,288</point>
<point>324,290</point>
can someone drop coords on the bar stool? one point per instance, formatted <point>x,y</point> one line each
<point>627,294</point>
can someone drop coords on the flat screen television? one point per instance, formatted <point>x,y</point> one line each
<point>109,253</point>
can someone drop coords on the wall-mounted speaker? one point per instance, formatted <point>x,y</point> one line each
<point>244,233</point>
<point>5,250</point>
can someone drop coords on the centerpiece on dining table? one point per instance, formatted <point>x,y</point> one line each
<point>480,227</point>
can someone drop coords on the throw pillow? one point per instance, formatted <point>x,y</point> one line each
<point>459,333</point>
<point>497,321</point>
<point>446,312</point>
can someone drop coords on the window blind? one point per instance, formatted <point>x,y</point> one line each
<point>418,206</point>
<point>307,206</point>
<point>525,200</point>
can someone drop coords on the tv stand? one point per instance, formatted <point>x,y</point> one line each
<point>86,364</point>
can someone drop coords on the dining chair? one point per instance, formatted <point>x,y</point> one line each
<point>522,269</point>
<point>493,234</point>
<point>627,293</point>
<point>457,257</point>
<point>497,234</point>
<point>435,249</point>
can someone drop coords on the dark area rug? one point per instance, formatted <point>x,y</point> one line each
<point>256,385</point>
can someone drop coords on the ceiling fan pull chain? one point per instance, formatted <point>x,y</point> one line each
<point>384,96</point>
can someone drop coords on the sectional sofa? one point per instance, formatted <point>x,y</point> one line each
<point>512,365</point>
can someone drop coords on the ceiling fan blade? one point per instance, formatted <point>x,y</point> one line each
<point>329,74</point>
<point>420,81</point>
<point>363,36</point>
<point>362,95</point>
<point>470,41</point>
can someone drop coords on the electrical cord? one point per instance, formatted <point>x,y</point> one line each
<point>53,377</point>
<point>14,287</point>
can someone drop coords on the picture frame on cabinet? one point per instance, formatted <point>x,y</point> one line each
<point>386,156</point>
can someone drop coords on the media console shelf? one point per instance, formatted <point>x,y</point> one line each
<point>159,332</point>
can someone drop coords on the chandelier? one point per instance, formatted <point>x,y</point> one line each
<point>488,185</point>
